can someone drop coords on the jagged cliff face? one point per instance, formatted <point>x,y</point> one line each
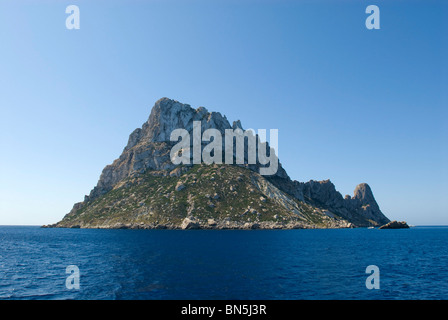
<point>147,154</point>
<point>359,209</point>
<point>149,147</point>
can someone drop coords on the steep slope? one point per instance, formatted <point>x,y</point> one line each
<point>144,189</point>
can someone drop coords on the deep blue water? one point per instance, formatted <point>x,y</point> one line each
<point>223,264</point>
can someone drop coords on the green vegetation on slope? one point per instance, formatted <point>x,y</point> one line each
<point>201,192</point>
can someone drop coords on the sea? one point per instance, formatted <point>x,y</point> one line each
<point>317,264</point>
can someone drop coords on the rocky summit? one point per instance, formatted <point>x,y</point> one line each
<point>143,188</point>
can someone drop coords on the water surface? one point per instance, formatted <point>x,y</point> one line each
<point>223,264</point>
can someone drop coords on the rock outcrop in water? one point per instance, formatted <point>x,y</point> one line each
<point>395,225</point>
<point>144,189</point>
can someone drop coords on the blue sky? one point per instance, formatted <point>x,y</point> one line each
<point>351,105</point>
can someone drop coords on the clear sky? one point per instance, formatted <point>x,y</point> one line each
<point>351,105</point>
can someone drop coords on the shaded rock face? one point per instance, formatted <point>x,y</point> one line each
<point>187,223</point>
<point>364,203</point>
<point>148,150</point>
<point>362,208</point>
<point>323,192</point>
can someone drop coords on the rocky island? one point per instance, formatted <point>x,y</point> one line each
<point>143,189</point>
